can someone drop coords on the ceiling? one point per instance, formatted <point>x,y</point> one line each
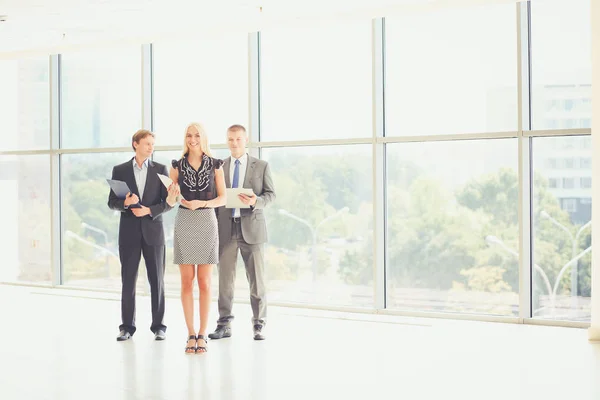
<point>52,26</point>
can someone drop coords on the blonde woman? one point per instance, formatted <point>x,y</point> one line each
<point>200,180</point>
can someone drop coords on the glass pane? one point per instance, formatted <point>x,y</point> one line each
<point>452,228</point>
<point>26,251</point>
<point>25,104</point>
<point>562,228</point>
<point>90,228</point>
<point>310,91</point>
<point>102,97</point>
<point>458,66</point>
<point>320,248</point>
<point>205,81</point>
<point>172,277</point>
<point>561,64</point>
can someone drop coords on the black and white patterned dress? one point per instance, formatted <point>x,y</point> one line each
<point>196,238</point>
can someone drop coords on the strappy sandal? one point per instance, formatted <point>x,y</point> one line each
<point>201,349</point>
<point>191,349</point>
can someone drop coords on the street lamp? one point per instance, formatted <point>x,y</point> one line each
<point>551,291</point>
<point>574,261</point>
<point>92,228</point>
<point>75,236</point>
<point>314,232</point>
<point>495,240</point>
<point>105,235</point>
<point>574,257</point>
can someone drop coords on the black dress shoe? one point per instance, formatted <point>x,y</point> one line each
<point>222,331</point>
<point>123,335</point>
<point>258,335</point>
<point>160,335</point>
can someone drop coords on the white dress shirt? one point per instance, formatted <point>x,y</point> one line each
<point>242,175</point>
<point>140,176</point>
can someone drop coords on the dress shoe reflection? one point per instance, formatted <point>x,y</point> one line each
<point>155,360</point>
<point>259,372</point>
<point>129,375</point>
<point>226,372</point>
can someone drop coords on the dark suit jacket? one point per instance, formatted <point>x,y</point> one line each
<point>132,228</point>
<point>254,227</point>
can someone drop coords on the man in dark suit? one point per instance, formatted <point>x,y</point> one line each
<point>141,232</point>
<point>243,230</point>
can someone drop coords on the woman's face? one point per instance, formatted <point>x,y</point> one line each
<point>192,138</point>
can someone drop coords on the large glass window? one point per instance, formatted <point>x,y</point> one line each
<point>25,104</point>
<point>26,219</point>
<point>90,228</point>
<point>452,226</point>
<point>320,228</point>
<point>562,231</point>
<point>452,71</point>
<point>204,81</point>
<point>101,97</point>
<point>561,64</point>
<point>451,206</point>
<point>316,82</point>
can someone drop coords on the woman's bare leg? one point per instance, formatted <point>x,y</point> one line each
<point>204,278</point>
<point>187,272</point>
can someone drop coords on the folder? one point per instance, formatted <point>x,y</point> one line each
<point>233,201</point>
<point>168,182</point>
<point>120,189</point>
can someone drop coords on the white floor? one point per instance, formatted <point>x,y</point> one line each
<point>57,344</point>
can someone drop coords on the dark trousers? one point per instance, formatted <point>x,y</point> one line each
<point>154,256</point>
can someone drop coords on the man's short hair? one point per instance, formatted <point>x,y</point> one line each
<point>236,127</point>
<point>139,135</point>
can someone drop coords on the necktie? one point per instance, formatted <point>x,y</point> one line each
<point>235,183</point>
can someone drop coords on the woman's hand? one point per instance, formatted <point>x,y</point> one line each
<point>174,192</point>
<point>194,204</point>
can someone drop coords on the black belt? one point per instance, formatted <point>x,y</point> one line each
<point>237,220</point>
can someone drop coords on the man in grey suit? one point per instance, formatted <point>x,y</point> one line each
<point>243,229</point>
<point>141,232</point>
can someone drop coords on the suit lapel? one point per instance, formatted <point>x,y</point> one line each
<point>150,182</point>
<point>130,179</point>
<point>249,169</point>
<point>226,165</point>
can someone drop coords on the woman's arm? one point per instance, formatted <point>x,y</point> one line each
<point>221,198</point>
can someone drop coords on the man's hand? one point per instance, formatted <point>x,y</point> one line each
<point>131,199</point>
<point>194,204</point>
<point>249,200</point>
<point>140,212</point>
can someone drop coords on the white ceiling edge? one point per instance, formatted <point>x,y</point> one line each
<point>230,24</point>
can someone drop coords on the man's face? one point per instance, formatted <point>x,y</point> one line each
<point>145,147</point>
<point>236,140</point>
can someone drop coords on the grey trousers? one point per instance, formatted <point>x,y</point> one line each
<point>253,256</point>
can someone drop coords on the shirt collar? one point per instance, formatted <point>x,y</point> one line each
<point>135,164</point>
<point>242,159</point>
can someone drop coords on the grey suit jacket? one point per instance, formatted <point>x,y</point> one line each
<point>132,228</point>
<point>254,227</point>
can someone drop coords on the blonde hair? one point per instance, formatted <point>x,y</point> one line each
<point>204,147</point>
